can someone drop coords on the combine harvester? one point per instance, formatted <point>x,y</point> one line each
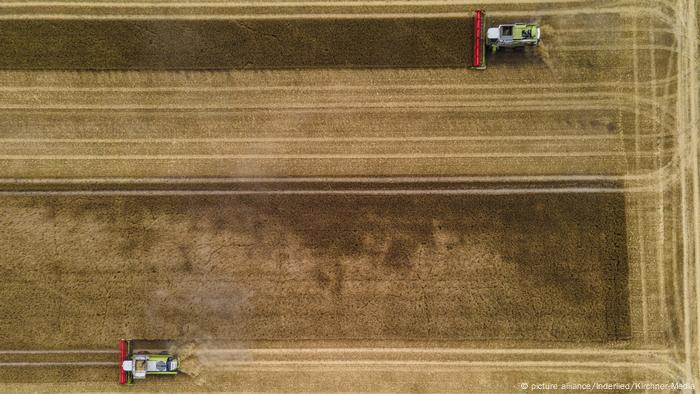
<point>140,358</point>
<point>515,35</point>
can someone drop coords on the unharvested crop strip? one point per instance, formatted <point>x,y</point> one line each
<point>184,140</point>
<point>261,4</point>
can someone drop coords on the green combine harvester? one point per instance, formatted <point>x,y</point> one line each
<point>514,35</point>
<point>138,359</point>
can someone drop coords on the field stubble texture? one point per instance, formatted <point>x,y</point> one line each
<point>336,204</point>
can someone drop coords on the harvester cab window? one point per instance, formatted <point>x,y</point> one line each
<point>140,365</point>
<point>507,30</point>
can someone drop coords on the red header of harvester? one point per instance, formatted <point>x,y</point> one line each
<point>478,61</point>
<point>477,38</point>
<point>122,356</point>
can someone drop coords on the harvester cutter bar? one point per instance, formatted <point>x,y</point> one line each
<point>479,43</point>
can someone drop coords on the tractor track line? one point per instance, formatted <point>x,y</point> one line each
<point>207,184</point>
<point>65,351</point>
<point>422,97</point>
<point>383,192</point>
<point>485,366</point>
<point>322,156</point>
<point>60,364</point>
<point>160,140</point>
<point>264,4</point>
<point>292,106</point>
<point>390,179</point>
<point>552,365</point>
<point>691,128</point>
<point>637,165</point>
<point>466,351</point>
<point>373,350</point>
<point>387,85</point>
<point>342,107</point>
<point>687,266</point>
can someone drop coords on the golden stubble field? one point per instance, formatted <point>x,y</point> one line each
<point>318,196</point>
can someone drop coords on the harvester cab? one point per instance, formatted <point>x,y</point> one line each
<point>137,360</point>
<point>514,35</point>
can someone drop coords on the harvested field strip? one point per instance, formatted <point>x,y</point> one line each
<point>457,185</point>
<point>400,97</point>
<point>485,182</point>
<point>328,156</point>
<point>392,192</point>
<point>491,137</point>
<point>334,150</point>
<point>358,107</point>
<point>344,104</point>
<point>417,179</point>
<point>58,81</point>
<point>374,102</point>
<point>614,165</point>
<point>395,359</point>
